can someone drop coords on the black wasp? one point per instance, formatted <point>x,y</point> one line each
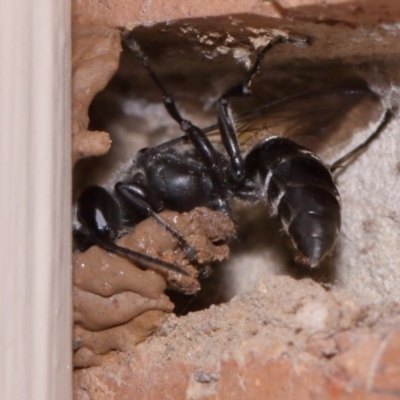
<point>255,157</point>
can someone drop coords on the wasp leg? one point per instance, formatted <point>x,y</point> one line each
<point>349,157</point>
<point>140,200</point>
<point>226,121</point>
<point>229,138</point>
<point>244,88</point>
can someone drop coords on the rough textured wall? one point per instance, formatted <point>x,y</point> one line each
<point>199,58</point>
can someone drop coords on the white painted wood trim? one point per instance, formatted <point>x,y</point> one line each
<point>35,175</point>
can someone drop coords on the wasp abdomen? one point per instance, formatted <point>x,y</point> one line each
<point>300,190</point>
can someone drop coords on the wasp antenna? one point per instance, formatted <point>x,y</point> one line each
<point>143,261</point>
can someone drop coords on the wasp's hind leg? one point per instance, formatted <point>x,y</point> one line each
<point>344,161</point>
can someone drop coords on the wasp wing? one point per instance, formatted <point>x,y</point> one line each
<point>329,122</point>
